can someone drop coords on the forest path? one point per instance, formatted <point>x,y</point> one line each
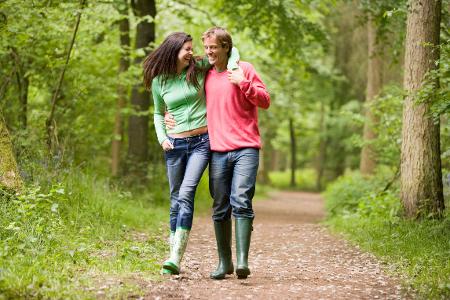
<point>291,257</point>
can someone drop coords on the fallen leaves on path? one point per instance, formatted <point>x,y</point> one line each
<point>291,257</point>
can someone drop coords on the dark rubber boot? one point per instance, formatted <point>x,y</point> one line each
<point>243,234</point>
<point>223,238</point>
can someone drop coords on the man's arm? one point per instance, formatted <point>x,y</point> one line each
<point>251,85</point>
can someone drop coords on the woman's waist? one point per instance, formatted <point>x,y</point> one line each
<point>189,133</point>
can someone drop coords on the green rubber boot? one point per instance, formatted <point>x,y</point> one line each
<point>223,239</point>
<point>171,236</point>
<point>180,241</point>
<point>243,233</point>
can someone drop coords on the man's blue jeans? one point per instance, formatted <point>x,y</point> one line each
<point>185,166</point>
<point>232,178</point>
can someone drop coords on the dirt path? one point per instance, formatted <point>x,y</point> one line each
<point>291,257</point>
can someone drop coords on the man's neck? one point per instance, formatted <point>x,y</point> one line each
<point>220,67</point>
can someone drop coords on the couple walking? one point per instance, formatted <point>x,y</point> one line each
<point>212,118</point>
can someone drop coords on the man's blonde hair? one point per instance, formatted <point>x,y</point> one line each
<point>223,37</point>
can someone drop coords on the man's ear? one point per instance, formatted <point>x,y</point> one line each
<point>228,50</point>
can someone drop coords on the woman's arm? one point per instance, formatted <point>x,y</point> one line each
<point>158,114</point>
<point>233,60</point>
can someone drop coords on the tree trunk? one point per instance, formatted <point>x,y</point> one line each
<point>421,177</point>
<point>24,102</point>
<point>275,161</point>
<point>374,85</point>
<point>124,64</point>
<point>22,84</point>
<point>267,153</point>
<point>140,98</point>
<point>321,159</point>
<point>293,152</point>
<point>9,173</point>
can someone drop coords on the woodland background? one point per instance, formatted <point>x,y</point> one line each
<point>82,172</point>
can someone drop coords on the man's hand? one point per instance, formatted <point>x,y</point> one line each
<point>236,76</point>
<point>169,121</point>
<point>167,145</point>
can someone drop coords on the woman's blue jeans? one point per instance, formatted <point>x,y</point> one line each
<point>232,179</point>
<point>185,166</point>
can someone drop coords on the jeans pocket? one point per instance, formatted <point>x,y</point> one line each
<point>172,141</point>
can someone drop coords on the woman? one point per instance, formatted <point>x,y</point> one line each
<point>176,79</point>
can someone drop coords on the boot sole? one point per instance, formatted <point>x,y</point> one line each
<point>166,272</point>
<point>221,275</point>
<point>242,273</point>
<point>171,268</point>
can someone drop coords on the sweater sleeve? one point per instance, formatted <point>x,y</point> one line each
<point>159,111</point>
<point>233,59</point>
<point>253,87</point>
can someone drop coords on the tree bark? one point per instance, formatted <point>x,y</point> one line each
<point>374,85</point>
<point>122,91</point>
<point>140,98</point>
<point>421,174</point>
<point>22,83</point>
<point>24,102</point>
<point>293,152</point>
<point>321,159</point>
<point>9,173</point>
<point>267,153</point>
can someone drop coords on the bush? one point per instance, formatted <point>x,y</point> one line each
<point>353,191</point>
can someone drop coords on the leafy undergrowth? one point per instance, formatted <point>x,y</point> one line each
<point>417,251</point>
<point>82,238</point>
<point>304,180</point>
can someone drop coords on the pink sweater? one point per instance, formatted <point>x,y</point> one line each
<point>232,110</point>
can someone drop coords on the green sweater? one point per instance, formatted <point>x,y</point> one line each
<point>182,100</point>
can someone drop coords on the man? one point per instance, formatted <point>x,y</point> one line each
<point>232,101</point>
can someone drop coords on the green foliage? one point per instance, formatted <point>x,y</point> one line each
<point>51,237</point>
<point>416,251</point>
<point>304,179</point>
<point>388,108</point>
<point>436,88</point>
<point>353,192</point>
<point>293,24</point>
<point>389,17</point>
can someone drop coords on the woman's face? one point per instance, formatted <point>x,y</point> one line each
<point>185,54</point>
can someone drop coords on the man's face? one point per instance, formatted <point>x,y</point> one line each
<point>217,55</point>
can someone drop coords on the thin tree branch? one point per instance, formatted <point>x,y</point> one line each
<point>393,179</point>
<point>205,12</point>
<point>58,87</point>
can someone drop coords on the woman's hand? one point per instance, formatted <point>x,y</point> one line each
<point>167,145</point>
<point>236,76</point>
<point>169,121</point>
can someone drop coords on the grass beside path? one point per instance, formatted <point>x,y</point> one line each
<point>82,238</point>
<point>85,238</point>
<point>417,251</point>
